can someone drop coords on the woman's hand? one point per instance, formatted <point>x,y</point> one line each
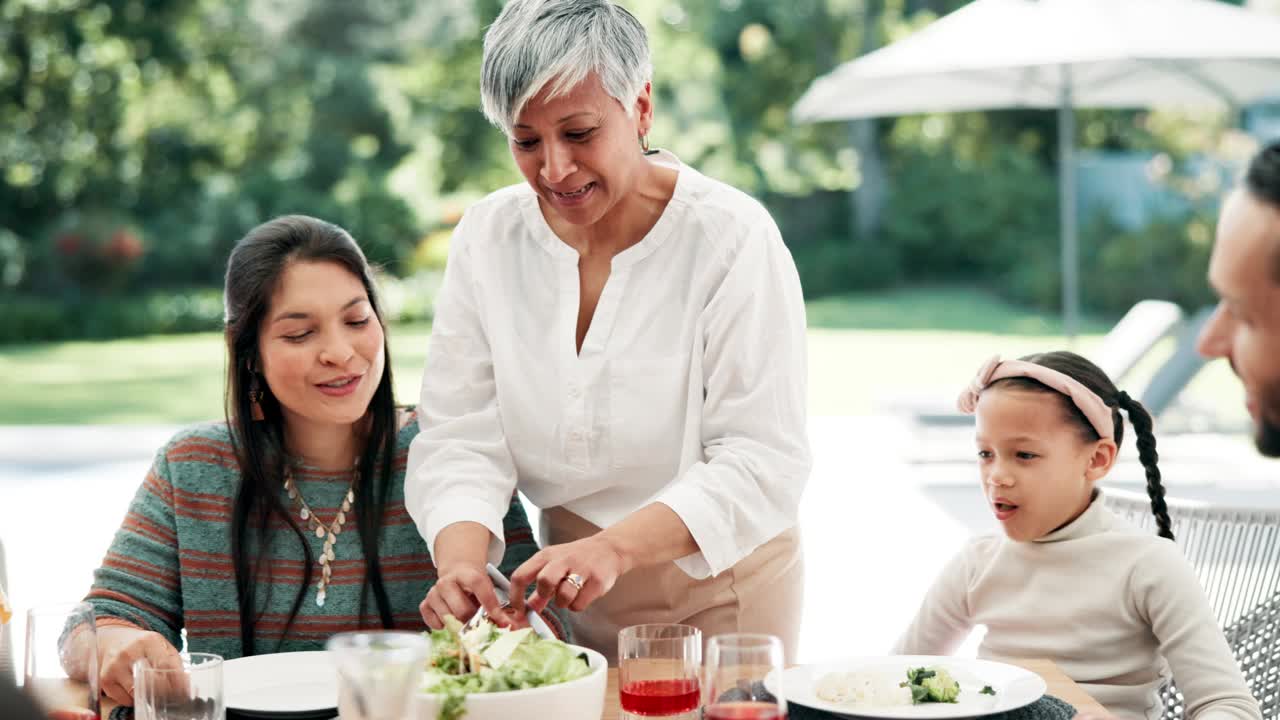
<point>462,585</point>
<point>459,591</point>
<point>595,561</point>
<point>119,647</point>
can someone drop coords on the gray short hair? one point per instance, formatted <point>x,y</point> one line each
<point>536,42</point>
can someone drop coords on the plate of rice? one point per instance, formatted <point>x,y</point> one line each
<point>912,687</point>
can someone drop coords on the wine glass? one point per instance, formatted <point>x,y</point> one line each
<point>60,667</point>
<point>658,668</point>
<point>743,678</point>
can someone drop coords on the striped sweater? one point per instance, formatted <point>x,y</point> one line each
<point>169,567</point>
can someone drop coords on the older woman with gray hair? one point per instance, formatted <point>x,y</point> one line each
<point>623,339</point>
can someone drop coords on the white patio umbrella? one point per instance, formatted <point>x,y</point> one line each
<point>1061,54</point>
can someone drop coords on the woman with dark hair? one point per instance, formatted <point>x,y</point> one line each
<point>286,523</point>
<point>1118,609</point>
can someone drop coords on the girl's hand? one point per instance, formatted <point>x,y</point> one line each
<point>119,647</point>
<point>594,561</point>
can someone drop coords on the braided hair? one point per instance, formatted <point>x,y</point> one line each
<point>1092,377</point>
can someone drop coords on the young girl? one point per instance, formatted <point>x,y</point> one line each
<point>1118,610</point>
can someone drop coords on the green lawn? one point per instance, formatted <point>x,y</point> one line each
<point>864,351</point>
<point>933,309</point>
<point>161,379</point>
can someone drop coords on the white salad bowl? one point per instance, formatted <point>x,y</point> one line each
<point>580,699</point>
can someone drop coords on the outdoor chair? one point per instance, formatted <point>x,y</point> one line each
<point>1131,339</point>
<point>6,632</point>
<point>1236,554</point>
<point>1146,323</point>
<point>1177,372</point>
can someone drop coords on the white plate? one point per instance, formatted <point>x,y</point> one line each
<point>281,683</point>
<point>1014,686</point>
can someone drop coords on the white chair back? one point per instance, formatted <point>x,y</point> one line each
<point>1236,553</point>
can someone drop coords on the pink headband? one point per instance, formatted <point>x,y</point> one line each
<point>1096,411</point>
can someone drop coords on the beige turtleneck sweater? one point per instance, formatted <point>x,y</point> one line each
<point>1115,608</point>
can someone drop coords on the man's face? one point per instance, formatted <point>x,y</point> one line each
<point>1245,329</point>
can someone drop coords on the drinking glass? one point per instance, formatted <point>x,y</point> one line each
<point>658,667</point>
<point>743,678</point>
<point>6,644</point>
<point>377,672</point>
<point>191,690</point>
<point>60,666</point>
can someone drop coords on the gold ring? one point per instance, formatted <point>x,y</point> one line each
<point>574,579</point>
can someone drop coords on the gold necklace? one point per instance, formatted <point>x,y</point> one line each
<point>328,531</point>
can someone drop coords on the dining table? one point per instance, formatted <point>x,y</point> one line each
<point>1059,686</point>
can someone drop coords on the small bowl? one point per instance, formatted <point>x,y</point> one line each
<point>581,699</point>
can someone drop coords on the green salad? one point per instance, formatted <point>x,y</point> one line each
<point>488,659</point>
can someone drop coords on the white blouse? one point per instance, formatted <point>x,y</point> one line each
<point>689,390</point>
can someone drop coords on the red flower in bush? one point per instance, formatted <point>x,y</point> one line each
<point>97,250</point>
<point>70,244</point>
<point>124,246</point>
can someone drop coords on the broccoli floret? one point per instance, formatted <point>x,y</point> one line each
<point>941,687</point>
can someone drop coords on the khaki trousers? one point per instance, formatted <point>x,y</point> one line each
<point>763,593</point>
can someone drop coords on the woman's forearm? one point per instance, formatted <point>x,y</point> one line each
<point>462,543</point>
<point>652,535</point>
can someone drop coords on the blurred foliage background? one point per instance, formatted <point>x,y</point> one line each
<point>139,139</point>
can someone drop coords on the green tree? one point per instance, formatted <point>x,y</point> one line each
<point>199,120</point>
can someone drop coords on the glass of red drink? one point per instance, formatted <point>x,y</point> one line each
<point>743,678</point>
<point>658,669</point>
